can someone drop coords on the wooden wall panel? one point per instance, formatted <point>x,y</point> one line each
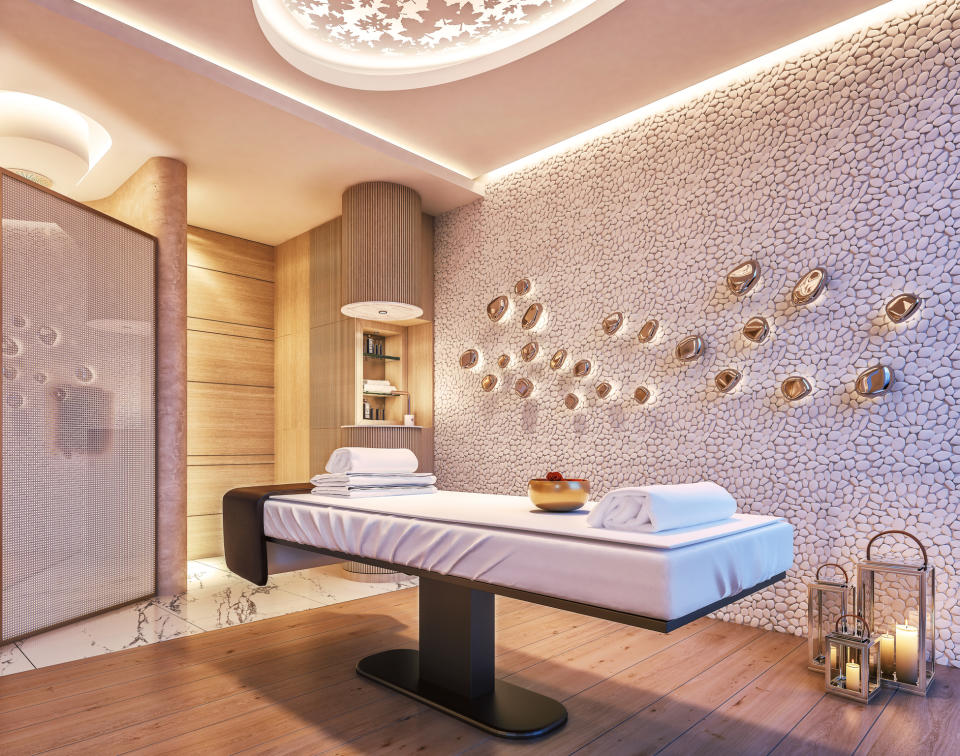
<point>293,285</point>
<point>217,358</point>
<point>206,484</point>
<point>325,268</point>
<point>229,254</point>
<point>420,372</point>
<point>226,420</point>
<point>214,295</point>
<point>205,536</point>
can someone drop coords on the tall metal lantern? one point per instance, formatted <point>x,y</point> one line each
<point>898,599</point>
<point>826,601</point>
<point>854,660</point>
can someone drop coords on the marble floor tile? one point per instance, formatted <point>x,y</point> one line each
<point>12,660</point>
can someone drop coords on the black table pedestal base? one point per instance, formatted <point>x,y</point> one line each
<point>509,711</point>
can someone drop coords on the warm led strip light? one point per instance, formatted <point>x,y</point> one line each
<point>812,43</point>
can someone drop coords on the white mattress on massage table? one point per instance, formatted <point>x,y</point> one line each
<point>505,541</point>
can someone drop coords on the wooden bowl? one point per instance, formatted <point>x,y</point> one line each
<point>558,495</point>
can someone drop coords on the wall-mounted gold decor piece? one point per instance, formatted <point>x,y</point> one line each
<point>559,357</point>
<point>498,308</point>
<point>603,389</point>
<point>469,359</point>
<point>689,349</point>
<point>582,368</point>
<point>523,388</point>
<point>532,316</point>
<point>611,323</point>
<point>809,287</point>
<point>528,352</point>
<point>726,380</point>
<point>648,331</point>
<point>488,382</point>
<point>503,360</point>
<point>756,330</point>
<point>743,278</point>
<point>641,394</point>
<point>795,387</point>
<point>902,307</point>
<point>875,381</point>
<point>571,401</point>
<point>522,287</point>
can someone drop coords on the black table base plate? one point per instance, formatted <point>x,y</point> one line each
<point>509,712</point>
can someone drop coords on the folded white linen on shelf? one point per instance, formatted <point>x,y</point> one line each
<point>374,479</point>
<point>362,493</point>
<point>358,459</point>
<point>651,509</point>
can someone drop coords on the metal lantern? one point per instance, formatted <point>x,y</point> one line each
<point>898,599</point>
<point>826,600</point>
<point>853,666</point>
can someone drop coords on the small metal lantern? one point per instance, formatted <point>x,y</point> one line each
<point>899,601</point>
<point>826,600</point>
<point>853,660</point>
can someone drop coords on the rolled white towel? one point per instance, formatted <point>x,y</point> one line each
<point>358,459</point>
<point>650,509</point>
<point>374,479</point>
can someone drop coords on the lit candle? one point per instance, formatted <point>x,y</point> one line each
<point>907,654</point>
<point>886,655</point>
<point>853,676</point>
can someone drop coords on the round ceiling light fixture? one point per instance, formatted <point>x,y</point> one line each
<point>387,311</point>
<point>393,45</point>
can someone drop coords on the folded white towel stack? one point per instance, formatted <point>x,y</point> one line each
<point>355,472</point>
<point>371,386</point>
<point>650,509</point>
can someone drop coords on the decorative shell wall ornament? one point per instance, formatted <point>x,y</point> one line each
<point>744,277</point>
<point>809,287</point>
<point>498,308</point>
<point>756,330</point>
<point>503,360</point>
<point>559,357</point>
<point>611,323</point>
<point>571,401</point>
<point>902,307</point>
<point>690,349</point>
<point>582,369</point>
<point>488,382</point>
<point>603,389</point>
<point>532,316</point>
<point>528,352</point>
<point>469,359</point>
<point>726,380</point>
<point>875,381</point>
<point>648,331</point>
<point>523,388</point>
<point>795,387</point>
<point>522,287</point>
<point>641,394</point>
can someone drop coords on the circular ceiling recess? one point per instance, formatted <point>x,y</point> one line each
<point>407,44</point>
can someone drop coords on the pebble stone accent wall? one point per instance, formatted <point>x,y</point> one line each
<point>847,158</point>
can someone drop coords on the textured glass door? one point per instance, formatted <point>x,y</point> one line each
<point>78,412</point>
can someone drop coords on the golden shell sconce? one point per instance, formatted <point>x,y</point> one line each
<point>503,360</point>
<point>690,349</point>
<point>469,359</point>
<point>522,287</point>
<point>726,380</point>
<point>571,401</point>
<point>875,381</point>
<point>611,323</point>
<point>582,369</point>
<point>648,331</point>
<point>744,277</point>
<point>532,316</point>
<point>559,357</point>
<point>809,287</point>
<point>756,330</point>
<point>523,388</point>
<point>498,308</point>
<point>902,307</point>
<point>528,352</point>
<point>795,387</point>
<point>641,394</point>
<point>488,382</point>
<point>604,389</point>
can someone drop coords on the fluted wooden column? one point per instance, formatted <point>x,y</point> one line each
<point>154,199</point>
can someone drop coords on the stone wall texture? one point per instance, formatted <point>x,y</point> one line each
<point>848,158</point>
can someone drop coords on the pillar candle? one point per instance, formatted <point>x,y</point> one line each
<point>886,655</point>
<point>907,654</point>
<point>853,676</point>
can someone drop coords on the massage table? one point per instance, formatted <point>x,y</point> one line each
<point>466,547</point>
